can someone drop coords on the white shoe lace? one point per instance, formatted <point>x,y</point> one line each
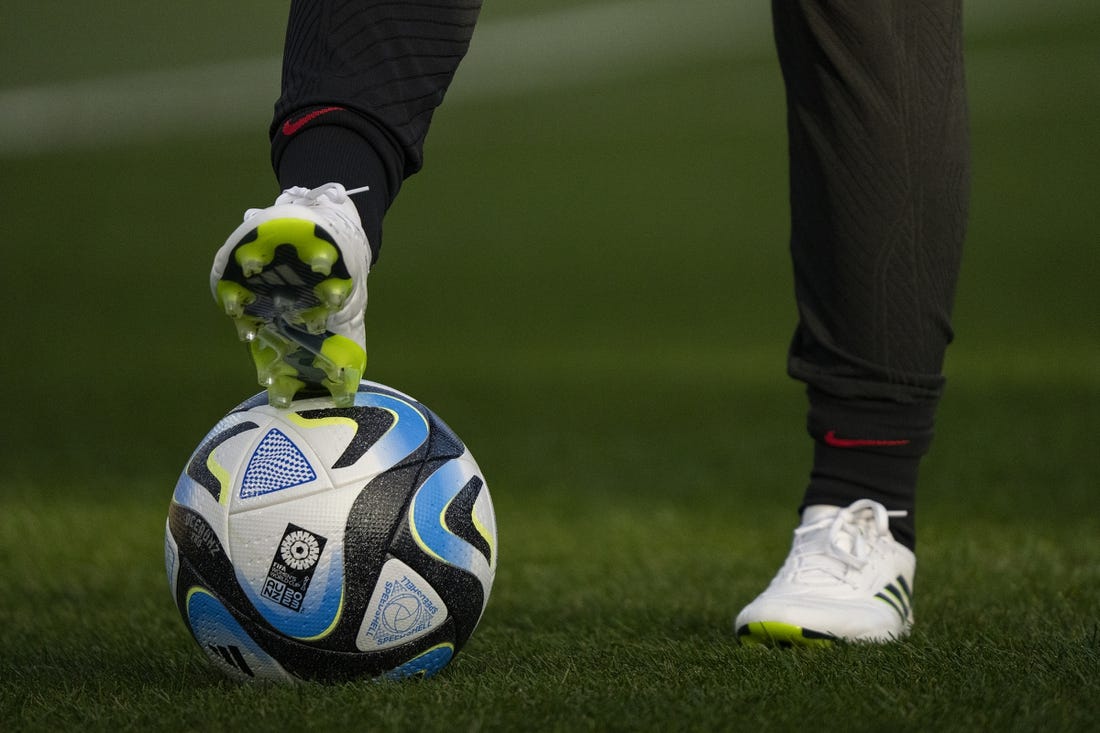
<point>330,193</point>
<point>826,550</point>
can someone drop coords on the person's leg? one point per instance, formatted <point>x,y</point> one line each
<point>361,80</point>
<point>879,169</point>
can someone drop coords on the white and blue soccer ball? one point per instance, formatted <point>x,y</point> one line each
<point>331,543</point>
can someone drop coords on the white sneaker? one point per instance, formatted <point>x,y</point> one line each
<point>845,578</point>
<point>293,277</point>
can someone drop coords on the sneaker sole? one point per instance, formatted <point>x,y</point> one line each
<point>776,634</point>
<point>282,283</point>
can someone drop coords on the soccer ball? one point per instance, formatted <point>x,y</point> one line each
<point>326,543</point>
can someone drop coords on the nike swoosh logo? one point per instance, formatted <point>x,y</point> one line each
<point>292,126</point>
<point>835,441</point>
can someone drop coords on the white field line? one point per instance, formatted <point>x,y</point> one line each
<point>507,56</point>
<point>140,106</point>
<point>559,49</point>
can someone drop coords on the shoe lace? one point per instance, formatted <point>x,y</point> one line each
<point>332,192</point>
<point>826,551</point>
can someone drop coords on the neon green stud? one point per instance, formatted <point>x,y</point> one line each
<point>344,387</point>
<point>247,328</point>
<point>280,378</point>
<point>333,292</point>
<point>343,362</point>
<point>315,320</point>
<point>251,265</point>
<point>320,260</point>
<point>266,358</point>
<point>234,298</point>
<point>281,390</point>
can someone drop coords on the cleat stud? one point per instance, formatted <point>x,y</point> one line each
<point>333,292</point>
<point>315,320</point>
<point>281,390</point>
<point>234,298</point>
<point>321,262</point>
<point>235,304</point>
<point>246,329</point>
<point>343,362</point>
<point>251,266</point>
<point>343,385</point>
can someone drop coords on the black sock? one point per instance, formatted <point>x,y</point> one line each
<point>867,449</point>
<point>335,154</point>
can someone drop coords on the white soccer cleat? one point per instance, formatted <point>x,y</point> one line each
<point>846,578</point>
<point>293,277</point>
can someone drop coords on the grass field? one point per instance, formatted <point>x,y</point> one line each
<point>609,339</point>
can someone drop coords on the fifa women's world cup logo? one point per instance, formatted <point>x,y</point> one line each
<point>293,566</point>
<point>300,550</point>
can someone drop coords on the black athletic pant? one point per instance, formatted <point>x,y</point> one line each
<point>878,188</point>
<point>361,79</point>
<point>879,174</point>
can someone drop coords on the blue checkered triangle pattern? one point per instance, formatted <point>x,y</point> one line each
<point>276,464</point>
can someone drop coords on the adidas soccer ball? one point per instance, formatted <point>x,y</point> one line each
<point>325,543</point>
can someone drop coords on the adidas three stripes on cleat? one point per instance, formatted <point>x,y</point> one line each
<point>846,578</point>
<point>293,277</point>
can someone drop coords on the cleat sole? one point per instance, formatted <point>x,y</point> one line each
<point>776,634</point>
<point>281,285</point>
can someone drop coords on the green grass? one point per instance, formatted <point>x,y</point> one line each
<point>610,342</point>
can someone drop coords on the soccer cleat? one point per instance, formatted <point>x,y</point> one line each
<point>293,277</point>
<point>846,578</point>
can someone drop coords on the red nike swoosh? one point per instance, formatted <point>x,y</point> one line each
<point>837,442</point>
<point>292,126</point>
